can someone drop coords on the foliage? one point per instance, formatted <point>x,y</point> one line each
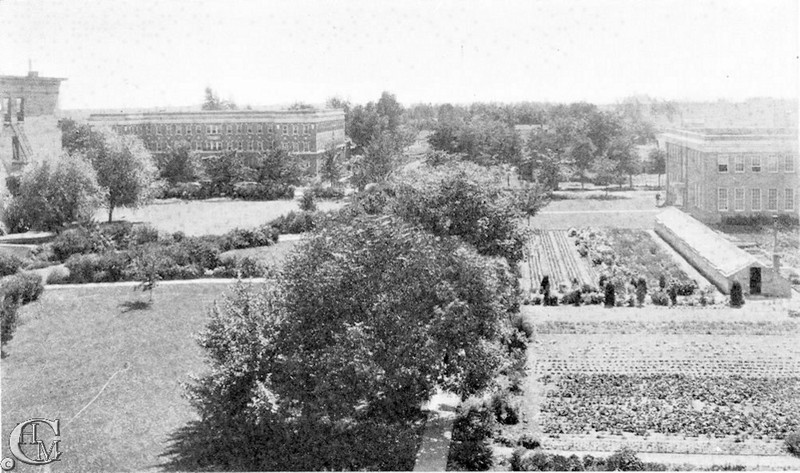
<point>8,319</point>
<point>321,192</point>
<point>483,141</point>
<point>146,265</point>
<point>472,428</point>
<point>760,220</point>
<point>109,266</point>
<point>53,194</point>
<point>463,200</point>
<point>737,299</point>
<point>295,222</point>
<point>125,169</point>
<point>624,459</point>
<point>213,102</point>
<point>330,169</point>
<point>610,298</point>
<point>307,203</point>
<point>660,297</point>
<point>9,264</point>
<point>79,240</point>
<point>641,290</point>
<point>21,288</point>
<point>179,164</point>
<point>381,157</point>
<point>792,442</point>
<point>367,318</point>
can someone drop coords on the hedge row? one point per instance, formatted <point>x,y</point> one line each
<point>16,290</point>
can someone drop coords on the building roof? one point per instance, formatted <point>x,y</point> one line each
<point>731,140</point>
<point>723,255</point>
<point>220,115</point>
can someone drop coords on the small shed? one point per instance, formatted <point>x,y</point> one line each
<point>716,258</point>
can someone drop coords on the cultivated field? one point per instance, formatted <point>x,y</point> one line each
<point>75,341</point>
<point>552,253</point>
<point>722,381</point>
<point>209,217</point>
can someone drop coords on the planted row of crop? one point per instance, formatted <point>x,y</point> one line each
<point>580,403</point>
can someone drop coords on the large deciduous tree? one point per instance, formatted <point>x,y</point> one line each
<point>367,319</point>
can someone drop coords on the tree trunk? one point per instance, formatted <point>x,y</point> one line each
<point>630,181</point>
<point>110,212</point>
<point>659,179</point>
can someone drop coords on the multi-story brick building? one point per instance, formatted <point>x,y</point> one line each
<point>29,131</point>
<point>715,173</point>
<point>305,134</point>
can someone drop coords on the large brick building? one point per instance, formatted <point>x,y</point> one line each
<point>305,134</point>
<point>715,173</point>
<point>29,131</point>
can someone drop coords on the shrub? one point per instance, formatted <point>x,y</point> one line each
<point>737,299</point>
<point>8,320</point>
<point>641,291</point>
<point>75,241</point>
<point>673,294</point>
<point>544,287</point>
<point>792,442</point>
<point>505,412</point>
<point>327,192</point>
<point>307,203</point>
<point>9,264</point>
<point>624,459</point>
<point>295,222</point>
<point>58,275</point>
<point>105,267</point>
<point>573,297</point>
<point>143,234</point>
<point>529,441</point>
<point>609,300</point>
<point>470,450</point>
<point>240,238</point>
<point>660,297</point>
<point>662,282</point>
<point>521,324</point>
<point>249,267</point>
<point>21,288</point>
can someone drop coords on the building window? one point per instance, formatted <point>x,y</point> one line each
<point>755,163</point>
<point>159,130</point>
<point>198,129</point>
<point>306,147</point>
<point>178,129</point>
<point>295,147</point>
<point>772,163</point>
<point>261,146</point>
<point>197,146</point>
<point>788,163</point>
<point>239,145</point>
<point>755,197</point>
<point>260,128</point>
<point>722,199</point>
<point>788,199</point>
<point>230,145</point>
<point>738,165</point>
<point>722,162</point>
<point>285,129</point>
<point>294,129</point>
<point>249,129</point>
<point>188,129</point>
<point>229,129</point>
<point>239,128</point>
<point>738,199</point>
<point>268,127</point>
<point>772,199</point>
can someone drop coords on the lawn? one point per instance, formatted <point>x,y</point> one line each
<point>72,341</point>
<point>272,255</point>
<point>629,209</point>
<point>662,380</point>
<point>209,217</point>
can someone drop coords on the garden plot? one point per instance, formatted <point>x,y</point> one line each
<point>552,254</point>
<point>673,381</point>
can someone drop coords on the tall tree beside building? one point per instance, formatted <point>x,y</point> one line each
<point>213,102</point>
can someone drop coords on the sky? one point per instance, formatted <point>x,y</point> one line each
<point>147,53</point>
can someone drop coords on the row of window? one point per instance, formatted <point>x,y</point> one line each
<point>741,162</point>
<point>215,129</point>
<point>296,147</point>
<point>738,195</point>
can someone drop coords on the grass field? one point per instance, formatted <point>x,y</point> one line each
<point>73,341</point>
<point>636,210</point>
<point>272,255</point>
<point>209,217</point>
<point>721,381</point>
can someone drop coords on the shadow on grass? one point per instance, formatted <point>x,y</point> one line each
<point>129,306</point>
<point>371,446</point>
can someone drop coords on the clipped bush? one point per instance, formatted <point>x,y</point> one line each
<point>8,320</point>
<point>610,299</point>
<point>673,294</point>
<point>662,282</point>
<point>75,241</point>
<point>544,287</point>
<point>529,441</point>
<point>641,291</point>
<point>295,222</point>
<point>9,264</point>
<point>21,288</point>
<point>737,298</point>
<point>105,267</point>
